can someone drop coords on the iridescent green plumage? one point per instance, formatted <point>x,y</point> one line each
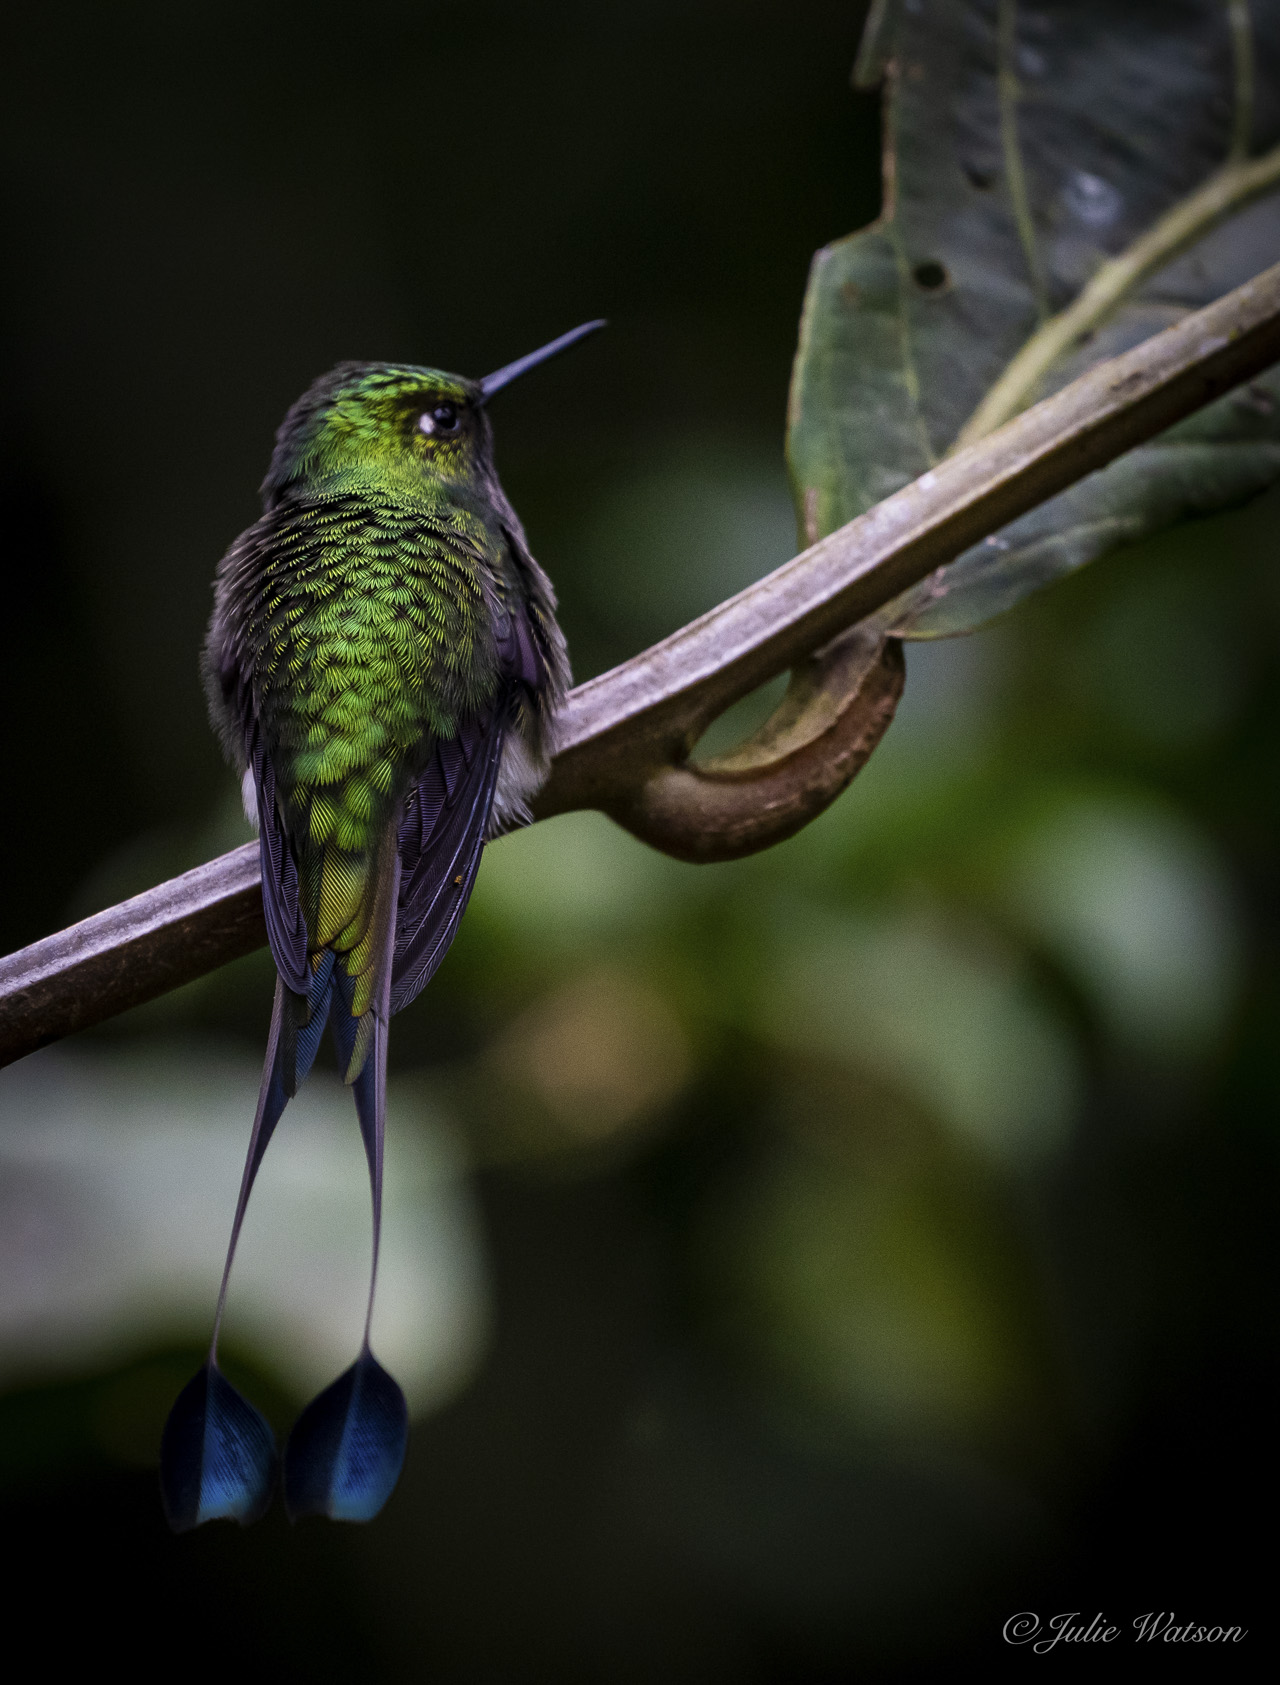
<point>359,623</point>
<point>383,665</point>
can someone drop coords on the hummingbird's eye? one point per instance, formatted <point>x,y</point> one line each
<point>442,419</point>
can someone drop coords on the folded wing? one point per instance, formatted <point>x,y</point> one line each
<point>441,837</point>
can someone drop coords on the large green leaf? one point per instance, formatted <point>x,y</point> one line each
<point>1117,161</point>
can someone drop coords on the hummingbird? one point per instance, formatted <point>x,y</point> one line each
<point>383,667</point>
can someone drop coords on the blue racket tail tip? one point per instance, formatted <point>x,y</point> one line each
<point>217,1455</point>
<point>347,1448</point>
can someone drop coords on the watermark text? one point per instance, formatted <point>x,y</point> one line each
<point>1075,1627</point>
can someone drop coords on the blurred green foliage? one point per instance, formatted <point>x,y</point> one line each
<point>857,1243</point>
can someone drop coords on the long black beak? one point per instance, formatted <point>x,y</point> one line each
<point>503,376</point>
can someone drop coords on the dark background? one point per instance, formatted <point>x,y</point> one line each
<point>668,1464</point>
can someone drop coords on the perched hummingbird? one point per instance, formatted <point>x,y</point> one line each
<point>383,667</point>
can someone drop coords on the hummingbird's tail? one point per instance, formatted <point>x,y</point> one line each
<point>218,1454</point>
<point>347,1448</point>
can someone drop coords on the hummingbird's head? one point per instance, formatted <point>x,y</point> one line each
<point>371,424</point>
<point>394,426</point>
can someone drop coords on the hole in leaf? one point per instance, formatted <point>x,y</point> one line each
<point>931,276</point>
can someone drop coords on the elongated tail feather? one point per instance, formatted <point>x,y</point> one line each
<point>298,1049</point>
<point>217,1455</point>
<point>346,1450</point>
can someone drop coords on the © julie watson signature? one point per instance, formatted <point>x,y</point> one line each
<point>1071,1628</point>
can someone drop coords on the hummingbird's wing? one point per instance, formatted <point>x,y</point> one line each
<point>281,902</point>
<point>447,817</point>
<point>239,725</point>
<point>441,837</point>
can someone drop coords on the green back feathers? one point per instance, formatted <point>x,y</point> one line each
<point>370,639</point>
<point>358,613</point>
<point>369,634</point>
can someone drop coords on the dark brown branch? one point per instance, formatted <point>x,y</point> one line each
<point>837,708</point>
<point>625,737</point>
<point>131,953</point>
